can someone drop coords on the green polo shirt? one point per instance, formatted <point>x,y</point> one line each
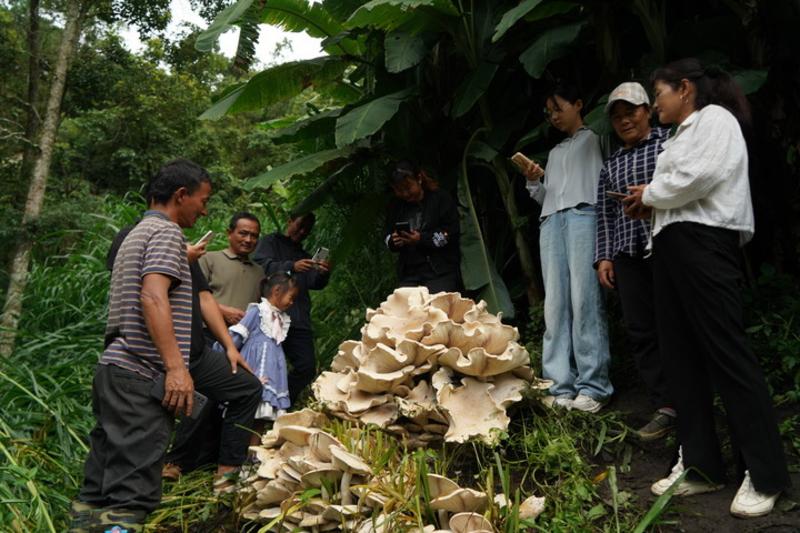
<point>234,281</point>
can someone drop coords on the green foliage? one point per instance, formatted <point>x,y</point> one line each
<point>366,119</point>
<point>298,167</point>
<point>512,16</point>
<point>551,45</point>
<point>403,50</point>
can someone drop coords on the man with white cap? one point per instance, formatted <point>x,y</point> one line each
<point>620,257</point>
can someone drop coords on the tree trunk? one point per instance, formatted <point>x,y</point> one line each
<point>34,56</point>
<point>18,274</point>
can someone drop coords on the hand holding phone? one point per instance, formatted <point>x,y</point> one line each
<point>529,168</point>
<point>321,255</point>
<point>400,227</point>
<point>205,238</point>
<point>616,195</point>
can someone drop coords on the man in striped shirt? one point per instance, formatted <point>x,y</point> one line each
<point>148,334</point>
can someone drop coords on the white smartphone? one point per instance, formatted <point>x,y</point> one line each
<point>321,255</point>
<point>205,238</point>
<point>521,160</point>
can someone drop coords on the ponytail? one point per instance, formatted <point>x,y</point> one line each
<point>712,84</point>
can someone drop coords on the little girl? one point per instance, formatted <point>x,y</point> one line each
<point>259,336</point>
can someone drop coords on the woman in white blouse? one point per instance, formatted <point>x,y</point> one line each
<point>702,214</point>
<point>575,346</point>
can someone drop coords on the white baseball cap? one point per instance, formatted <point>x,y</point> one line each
<point>630,92</point>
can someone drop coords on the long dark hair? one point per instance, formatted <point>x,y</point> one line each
<point>404,170</point>
<point>713,86</point>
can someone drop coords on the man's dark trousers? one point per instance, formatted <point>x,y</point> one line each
<point>205,440</point>
<point>299,349</point>
<point>127,444</point>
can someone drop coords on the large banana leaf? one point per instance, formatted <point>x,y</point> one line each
<point>313,127</point>
<point>368,118</point>
<point>411,15</point>
<point>277,84</point>
<point>224,21</point>
<point>750,80</point>
<point>318,196</point>
<point>312,19</point>
<point>551,8</point>
<point>478,270</point>
<point>512,16</point>
<point>403,50</point>
<point>473,88</point>
<point>298,167</point>
<point>551,45</point>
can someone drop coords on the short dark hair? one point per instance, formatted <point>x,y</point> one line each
<point>308,218</point>
<point>406,170</point>
<point>567,90</point>
<point>284,280</point>
<point>243,215</point>
<point>174,175</point>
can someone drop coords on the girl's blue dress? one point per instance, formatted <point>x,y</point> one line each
<point>258,337</point>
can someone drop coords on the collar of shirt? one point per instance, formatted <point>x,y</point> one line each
<point>156,213</point>
<point>574,135</point>
<point>683,126</point>
<point>227,252</point>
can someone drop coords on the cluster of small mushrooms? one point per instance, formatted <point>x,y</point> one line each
<point>297,455</point>
<point>429,367</point>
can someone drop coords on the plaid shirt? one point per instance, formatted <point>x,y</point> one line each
<point>616,233</point>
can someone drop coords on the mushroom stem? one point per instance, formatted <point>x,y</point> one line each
<point>442,518</point>
<point>325,496</point>
<point>345,488</point>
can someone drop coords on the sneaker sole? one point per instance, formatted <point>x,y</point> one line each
<point>743,514</point>
<point>684,494</point>
<point>653,436</point>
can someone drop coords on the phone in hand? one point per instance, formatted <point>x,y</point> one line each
<point>205,238</point>
<point>402,226</point>
<point>616,195</point>
<point>200,400</point>
<point>321,255</point>
<point>522,161</point>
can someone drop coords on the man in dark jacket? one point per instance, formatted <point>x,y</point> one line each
<point>284,253</point>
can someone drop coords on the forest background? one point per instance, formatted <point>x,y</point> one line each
<point>457,86</point>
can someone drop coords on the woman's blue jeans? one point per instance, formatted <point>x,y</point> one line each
<point>575,347</point>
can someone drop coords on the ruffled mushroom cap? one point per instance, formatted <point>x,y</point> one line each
<point>274,492</point>
<point>460,501</point>
<point>478,362</point>
<point>439,486</point>
<point>320,444</point>
<point>470,523</point>
<point>296,434</point>
<point>472,412</point>
<point>453,304</point>
<point>348,357</point>
<point>381,416</point>
<point>507,389</point>
<point>315,478</point>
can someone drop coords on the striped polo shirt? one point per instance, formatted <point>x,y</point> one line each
<point>155,246</point>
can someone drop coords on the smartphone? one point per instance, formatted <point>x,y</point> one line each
<point>200,400</point>
<point>522,161</point>
<point>205,238</point>
<point>321,255</point>
<point>402,226</point>
<point>616,195</point>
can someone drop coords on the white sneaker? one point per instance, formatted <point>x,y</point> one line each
<point>557,402</point>
<point>686,487</point>
<point>748,502</point>
<point>587,404</point>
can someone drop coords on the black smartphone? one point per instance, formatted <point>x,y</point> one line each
<point>200,400</point>
<point>402,226</point>
<point>616,195</point>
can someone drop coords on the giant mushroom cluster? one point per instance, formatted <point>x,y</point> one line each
<point>429,367</point>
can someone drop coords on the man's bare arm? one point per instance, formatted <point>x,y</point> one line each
<point>178,385</point>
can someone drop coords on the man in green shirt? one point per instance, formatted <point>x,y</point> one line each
<point>234,279</point>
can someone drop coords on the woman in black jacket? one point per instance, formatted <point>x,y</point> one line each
<point>422,228</point>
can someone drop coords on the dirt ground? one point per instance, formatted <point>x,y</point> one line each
<point>702,513</point>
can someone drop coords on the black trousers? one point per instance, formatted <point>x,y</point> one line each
<point>634,280</point>
<point>300,353</point>
<point>704,346</point>
<point>127,444</point>
<point>212,439</point>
